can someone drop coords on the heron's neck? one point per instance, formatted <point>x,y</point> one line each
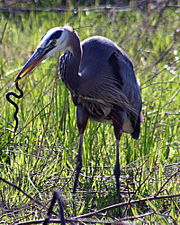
<point>72,68</point>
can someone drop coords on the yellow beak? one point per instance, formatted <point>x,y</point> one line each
<point>34,61</point>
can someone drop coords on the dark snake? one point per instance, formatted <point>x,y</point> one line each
<point>14,104</point>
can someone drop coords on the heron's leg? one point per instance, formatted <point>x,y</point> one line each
<point>118,133</point>
<point>82,119</point>
<point>118,119</point>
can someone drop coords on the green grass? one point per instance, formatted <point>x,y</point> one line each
<point>41,162</point>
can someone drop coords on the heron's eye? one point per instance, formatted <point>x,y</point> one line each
<point>53,43</point>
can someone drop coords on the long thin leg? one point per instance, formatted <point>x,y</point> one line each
<point>78,163</point>
<point>118,119</point>
<point>82,119</point>
<point>117,168</point>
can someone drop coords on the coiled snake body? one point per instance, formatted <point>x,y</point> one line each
<point>14,104</point>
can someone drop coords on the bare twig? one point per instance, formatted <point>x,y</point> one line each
<point>61,207</point>
<point>50,210</point>
<point>6,121</point>
<point>96,9</point>
<point>161,82</point>
<point>144,181</point>
<point>177,207</point>
<point>161,14</point>
<point>171,99</point>
<point>102,8</point>
<point>156,74</point>
<point>46,221</point>
<point>136,217</point>
<point>151,173</point>
<point>19,189</point>
<point>150,198</point>
<point>76,221</point>
<point>174,175</point>
<point>139,187</point>
<point>156,62</point>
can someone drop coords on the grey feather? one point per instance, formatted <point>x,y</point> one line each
<point>106,80</point>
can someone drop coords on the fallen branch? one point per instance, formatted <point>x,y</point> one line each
<point>136,217</point>
<point>50,210</point>
<point>77,219</point>
<point>102,8</point>
<point>57,221</point>
<point>150,198</point>
<point>75,10</point>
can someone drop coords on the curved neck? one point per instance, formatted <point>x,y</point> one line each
<point>72,77</point>
<point>75,46</point>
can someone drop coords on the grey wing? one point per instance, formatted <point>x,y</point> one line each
<point>109,79</point>
<point>128,85</point>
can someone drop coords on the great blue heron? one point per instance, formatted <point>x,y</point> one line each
<point>101,80</point>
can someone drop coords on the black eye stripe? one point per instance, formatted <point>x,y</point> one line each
<point>55,35</point>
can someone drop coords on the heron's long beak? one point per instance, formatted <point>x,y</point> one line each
<point>35,60</point>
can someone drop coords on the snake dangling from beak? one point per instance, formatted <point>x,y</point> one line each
<point>14,104</point>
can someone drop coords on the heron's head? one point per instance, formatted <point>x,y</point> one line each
<point>55,40</point>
